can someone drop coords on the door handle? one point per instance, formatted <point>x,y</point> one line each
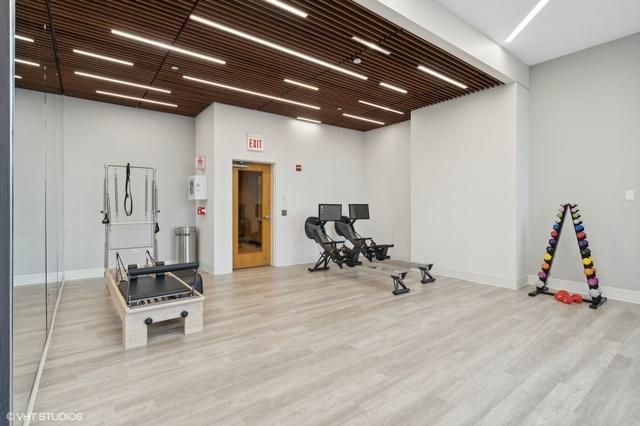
<point>267,217</point>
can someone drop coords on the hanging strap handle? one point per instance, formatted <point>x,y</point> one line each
<point>128,198</point>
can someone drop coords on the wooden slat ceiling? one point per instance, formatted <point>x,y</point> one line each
<point>59,26</point>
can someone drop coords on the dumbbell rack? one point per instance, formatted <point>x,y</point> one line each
<point>571,211</point>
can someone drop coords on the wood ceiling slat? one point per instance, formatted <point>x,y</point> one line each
<point>325,34</point>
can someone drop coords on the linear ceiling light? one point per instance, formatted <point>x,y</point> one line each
<point>105,58</point>
<point>22,61</point>
<point>249,92</point>
<point>382,107</point>
<point>311,120</point>
<point>19,77</point>
<point>275,46</point>
<point>536,9</point>
<point>363,119</point>
<point>370,45</point>
<point>297,83</point>
<point>441,76</point>
<point>167,46</point>
<point>287,7</point>
<point>126,83</point>
<point>23,38</point>
<point>117,95</point>
<point>392,87</point>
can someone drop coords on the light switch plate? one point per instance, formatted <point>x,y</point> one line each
<point>284,212</point>
<point>629,195</point>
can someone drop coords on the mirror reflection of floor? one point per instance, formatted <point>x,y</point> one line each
<point>29,334</point>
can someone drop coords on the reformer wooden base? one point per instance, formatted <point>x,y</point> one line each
<point>135,320</point>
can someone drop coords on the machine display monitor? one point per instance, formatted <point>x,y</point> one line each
<point>359,211</point>
<point>330,212</point>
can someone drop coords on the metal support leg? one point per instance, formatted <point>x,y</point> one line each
<point>398,284</point>
<point>324,261</point>
<point>426,274</point>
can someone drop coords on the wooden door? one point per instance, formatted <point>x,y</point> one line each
<point>251,215</point>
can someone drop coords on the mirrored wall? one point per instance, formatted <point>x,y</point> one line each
<point>38,206</point>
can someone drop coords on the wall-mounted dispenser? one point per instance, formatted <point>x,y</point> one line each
<point>198,187</point>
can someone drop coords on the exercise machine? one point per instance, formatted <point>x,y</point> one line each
<point>373,252</point>
<point>343,255</point>
<point>155,291</point>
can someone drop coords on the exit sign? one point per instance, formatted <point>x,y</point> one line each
<point>255,142</point>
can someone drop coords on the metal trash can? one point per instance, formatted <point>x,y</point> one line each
<point>186,244</point>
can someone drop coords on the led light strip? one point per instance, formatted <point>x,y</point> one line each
<point>536,9</point>
<point>126,83</point>
<point>23,38</point>
<point>22,61</point>
<point>288,8</point>
<point>297,83</point>
<point>441,76</point>
<point>382,107</point>
<point>275,46</point>
<point>117,95</point>
<point>363,119</point>
<point>105,58</point>
<point>167,46</point>
<point>370,45</point>
<point>392,87</point>
<point>249,92</point>
<point>311,120</point>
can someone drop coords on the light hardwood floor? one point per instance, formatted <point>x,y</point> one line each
<point>283,346</point>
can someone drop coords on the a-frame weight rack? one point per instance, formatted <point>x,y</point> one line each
<point>571,212</point>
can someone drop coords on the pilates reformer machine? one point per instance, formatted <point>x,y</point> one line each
<point>341,254</point>
<point>155,291</point>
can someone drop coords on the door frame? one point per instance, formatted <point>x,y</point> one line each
<point>272,244</point>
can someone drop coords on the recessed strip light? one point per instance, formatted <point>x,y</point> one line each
<point>105,58</point>
<point>249,92</point>
<point>297,83</point>
<point>370,45</point>
<point>167,46</point>
<point>275,46</point>
<point>536,9</point>
<point>382,107</point>
<point>287,7</point>
<point>22,61</point>
<point>126,83</point>
<point>392,87</point>
<point>19,77</point>
<point>23,38</point>
<point>133,98</point>
<point>363,119</point>
<point>311,120</point>
<point>441,76</point>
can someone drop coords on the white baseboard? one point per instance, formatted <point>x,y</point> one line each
<point>615,293</point>
<point>28,279</point>
<point>83,274</point>
<point>504,282</point>
<point>295,261</point>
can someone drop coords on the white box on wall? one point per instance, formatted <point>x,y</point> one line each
<point>198,187</point>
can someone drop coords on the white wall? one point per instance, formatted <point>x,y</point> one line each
<point>204,146</point>
<point>585,148</point>
<point>464,203</point>
<point>332,172</point>
<point>97,133</point>
<point>29,198</point>
<point>387,161</point>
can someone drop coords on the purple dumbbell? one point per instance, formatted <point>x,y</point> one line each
<point>583,244</point>
<point>553,242</point>
<point>593,282</point>
<point>542,275</point>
